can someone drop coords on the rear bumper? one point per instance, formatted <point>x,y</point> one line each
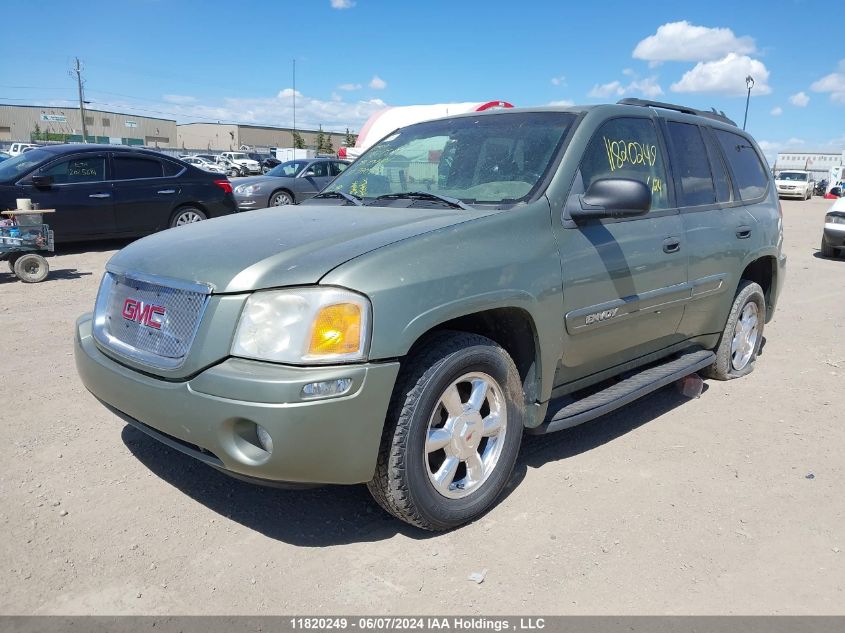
<point>212,416</point>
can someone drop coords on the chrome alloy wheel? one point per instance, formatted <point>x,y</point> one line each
<point>465,435</point>
<point>744,341</point>
<point>188,217</point>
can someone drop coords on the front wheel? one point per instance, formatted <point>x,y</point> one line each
<point>827,250</point>
<point>31,268</point>
<point>234,172</point>
<point>187,215</point>
<point>742,337</point>
<point>280,199</point>
<point>452,433</point>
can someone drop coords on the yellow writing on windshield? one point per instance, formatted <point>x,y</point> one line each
<point>621,153</point>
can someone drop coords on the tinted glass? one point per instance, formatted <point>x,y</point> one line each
<point>75,170</point>
<point>690,166</point>
<point>13,168</point>
<point>171,169</point>
<point>321,170</point>
<point>290,168</point>
<point>127,167</point>
<point>724,190</point>
<point>627,148</point>
<point>338,167</point>
<point>747,169</point>
<point>495,158</point>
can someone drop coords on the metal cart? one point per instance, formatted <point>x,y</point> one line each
<point>23,240</point>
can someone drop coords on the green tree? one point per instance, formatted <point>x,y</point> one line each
<point>349,141</point>
<point>328,148</point>
<point>298,141</point>
<point>36,134</point>
<point>321,140</point>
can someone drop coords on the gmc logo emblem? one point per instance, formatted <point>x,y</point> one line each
<point>143,313</point>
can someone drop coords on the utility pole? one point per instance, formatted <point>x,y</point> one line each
<point>294,106</point>
<point>79,82</point>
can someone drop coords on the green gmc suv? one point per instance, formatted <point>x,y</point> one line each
<point>466,281</point>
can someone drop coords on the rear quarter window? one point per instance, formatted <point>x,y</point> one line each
<point>749,173</point>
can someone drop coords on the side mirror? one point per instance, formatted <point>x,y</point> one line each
<point>613,198</point>
<point>42,182</point>
<point>308,173</point>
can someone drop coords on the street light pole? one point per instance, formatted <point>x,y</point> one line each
<point>749,82</point>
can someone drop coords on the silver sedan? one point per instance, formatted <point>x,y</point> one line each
<point>288,183</point>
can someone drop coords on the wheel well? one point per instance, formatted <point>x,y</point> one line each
<point>762,271</point>
<point>514,330</point>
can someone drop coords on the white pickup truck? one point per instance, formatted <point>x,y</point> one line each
<point>241,159</point>
<point>795,184</point>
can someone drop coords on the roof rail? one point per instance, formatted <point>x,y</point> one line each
<point>713,114</point>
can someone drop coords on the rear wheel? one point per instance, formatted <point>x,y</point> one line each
<point>743,334</point>
<point>452,434</point>
<point>31,268</point>
<point>12,259</point>
<point>187,215</point>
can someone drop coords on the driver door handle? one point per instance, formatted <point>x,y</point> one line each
<point>671,245</point>
<point>100,195</point>
<point>167,191</point>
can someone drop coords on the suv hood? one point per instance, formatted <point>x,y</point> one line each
<point>288,246</point>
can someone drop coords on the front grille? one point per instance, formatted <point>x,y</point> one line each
<point>148,319</point>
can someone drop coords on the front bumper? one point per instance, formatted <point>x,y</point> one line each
<point>329,441</point>
<point>834,235</point>
<point>247,203</point>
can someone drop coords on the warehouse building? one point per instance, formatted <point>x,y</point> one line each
<point>820,164</point>
<point>48,123</point>
<point>233,136</point>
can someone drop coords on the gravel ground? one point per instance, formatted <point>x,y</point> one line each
<point>730,503</point>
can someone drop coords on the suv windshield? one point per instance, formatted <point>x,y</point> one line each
<point>493,158</point>
<point>15,167</point>
<point>786,175</point>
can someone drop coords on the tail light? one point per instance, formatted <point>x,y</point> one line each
<point>224,184</point>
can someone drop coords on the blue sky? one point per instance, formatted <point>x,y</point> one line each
<point>205,60</point>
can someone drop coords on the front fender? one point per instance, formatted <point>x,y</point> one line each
<point>508,259</point>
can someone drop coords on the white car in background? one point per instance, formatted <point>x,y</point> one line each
<point>795,184</point>
<point>19,148</point>
<point>202,163</point>
<point>243,160</point>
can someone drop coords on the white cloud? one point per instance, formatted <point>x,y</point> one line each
<point>776,111</point>
<point>342,4</point>
<point>377,83</point>
<point>685,42</point>
<point>799,100</point>
<point>563,103</point>
<point>834,84</point>
<point>647,87</point>
<point>558,81</point>
<point>349,87</point>
<point>725,76</point>
<point>179,99</point>
<point>628,72</point>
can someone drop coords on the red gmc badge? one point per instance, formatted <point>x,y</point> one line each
<point>143,313</point>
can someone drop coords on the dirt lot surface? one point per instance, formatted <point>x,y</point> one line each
<point>730,503</point>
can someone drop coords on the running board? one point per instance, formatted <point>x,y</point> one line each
<point>625,391</point>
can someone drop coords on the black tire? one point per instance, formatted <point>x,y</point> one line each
<point>280,199</point>
<point>725,367</point>
<point>827,250</point>
<point>234,172</point>
<point>31,268</point>
<point>402,483</point>
<point>187,215</point>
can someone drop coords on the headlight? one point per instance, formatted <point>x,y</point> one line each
<point>247,189</point>
<point>304,326</point>
<point>834,219</point>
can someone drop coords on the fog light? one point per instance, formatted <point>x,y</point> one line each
<point>264,438</point>
<point>326,388</point>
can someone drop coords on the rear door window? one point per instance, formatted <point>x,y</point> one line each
<point>626,148</point>
<point>133,167</point>
<point>724,189</point>
<point>745,163</point>
<point>337,168</point>
<point>690,165</point>
<point>78,169</point>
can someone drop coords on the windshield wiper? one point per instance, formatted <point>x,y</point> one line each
<point>425,195</point>
<point>340,194</point>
